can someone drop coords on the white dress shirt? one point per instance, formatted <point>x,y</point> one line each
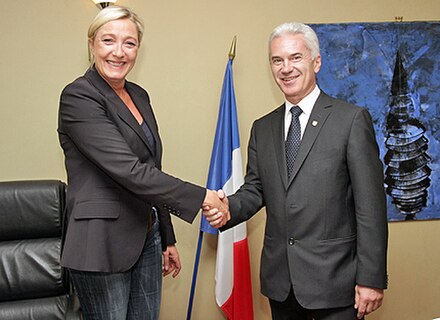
<point>306,106</point>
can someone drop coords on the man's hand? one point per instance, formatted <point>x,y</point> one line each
<point>216,208</point>
<point>171,261</point>
<point>367,300</point>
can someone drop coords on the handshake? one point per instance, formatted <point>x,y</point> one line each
<point>216,208</point>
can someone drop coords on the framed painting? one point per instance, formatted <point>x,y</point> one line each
<point>393,70</point>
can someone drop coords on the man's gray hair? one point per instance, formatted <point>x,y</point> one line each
<point>310,36</point>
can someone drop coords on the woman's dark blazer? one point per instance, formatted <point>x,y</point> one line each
<point>114,177</point>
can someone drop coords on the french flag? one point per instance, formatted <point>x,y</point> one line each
<point>233,288</point>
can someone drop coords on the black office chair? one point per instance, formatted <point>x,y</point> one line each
<point>33,285</point>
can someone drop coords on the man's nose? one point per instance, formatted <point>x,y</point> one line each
<point>287,66</point>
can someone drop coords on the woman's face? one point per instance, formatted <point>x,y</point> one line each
<point>115,48</point>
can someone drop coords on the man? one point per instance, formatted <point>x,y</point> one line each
<point>325,244</point>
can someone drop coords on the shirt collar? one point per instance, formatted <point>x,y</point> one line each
<point>307,103</point>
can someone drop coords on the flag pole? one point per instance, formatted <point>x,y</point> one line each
<point>194,278</point>
<point>231,56</point>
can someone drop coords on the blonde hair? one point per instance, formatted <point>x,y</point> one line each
<point>113,13</point>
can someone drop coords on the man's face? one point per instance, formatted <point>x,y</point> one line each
<point>293,68</point>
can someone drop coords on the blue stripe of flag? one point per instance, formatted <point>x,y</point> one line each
<point>225,141</point>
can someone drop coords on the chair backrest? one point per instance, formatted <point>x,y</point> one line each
<point>33,285</point>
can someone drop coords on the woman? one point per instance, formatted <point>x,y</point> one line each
<point>118,198</point>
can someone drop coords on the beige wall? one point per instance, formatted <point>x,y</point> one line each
<point>181,64</point>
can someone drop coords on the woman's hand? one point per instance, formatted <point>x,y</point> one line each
<point>171,261</point>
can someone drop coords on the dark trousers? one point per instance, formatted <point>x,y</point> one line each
<point>290,309</point>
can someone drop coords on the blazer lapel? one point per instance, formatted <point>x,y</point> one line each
<point>123,112</point>
<point>147,113</point>
<point>320,112</point>
<point>278,141</point>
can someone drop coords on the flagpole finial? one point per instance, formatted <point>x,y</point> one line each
<point>232,50</point>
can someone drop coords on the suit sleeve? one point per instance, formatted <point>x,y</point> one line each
<point>166,229</point>
<point>248,200</point>
<point>84,118</point>
<point>366,175</point>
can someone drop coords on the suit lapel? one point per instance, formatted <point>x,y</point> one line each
<point>147,113</point>
<point>320,112</point>
<point>123,112</point>
<point>278,141</point>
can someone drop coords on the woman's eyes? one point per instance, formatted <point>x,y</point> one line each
<point>128,44</point>
<point>108,41</point>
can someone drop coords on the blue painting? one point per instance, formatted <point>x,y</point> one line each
<point>393,69</point>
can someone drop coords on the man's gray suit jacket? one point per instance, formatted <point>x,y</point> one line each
<point>326,227</point>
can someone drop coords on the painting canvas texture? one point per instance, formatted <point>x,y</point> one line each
<point>393,70</point>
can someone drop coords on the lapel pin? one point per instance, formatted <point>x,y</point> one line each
<point>314,123</point>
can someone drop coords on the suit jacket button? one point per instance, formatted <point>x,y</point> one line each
<point>291,241</point>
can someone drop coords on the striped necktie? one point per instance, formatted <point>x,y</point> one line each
<point>293,139</point>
